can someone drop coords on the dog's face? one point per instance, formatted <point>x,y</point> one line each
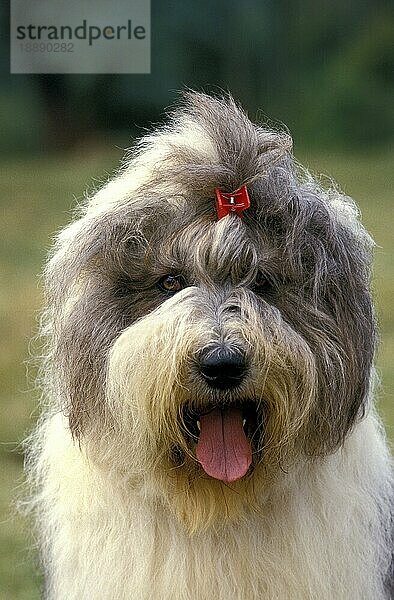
<point>198,352</point>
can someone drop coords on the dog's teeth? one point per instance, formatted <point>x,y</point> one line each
<point>198,425</point>
<point>243,422</point>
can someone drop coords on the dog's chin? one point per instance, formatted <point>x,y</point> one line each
<point>219,473</point>
<point>224,437</point>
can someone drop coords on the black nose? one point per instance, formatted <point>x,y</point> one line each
<point>222,368</point>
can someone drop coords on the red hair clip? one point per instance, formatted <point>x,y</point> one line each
<point>232,202</point>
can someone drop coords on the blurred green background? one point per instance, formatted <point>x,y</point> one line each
<point>323,68</point>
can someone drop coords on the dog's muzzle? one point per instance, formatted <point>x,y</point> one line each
<point>223,428</point>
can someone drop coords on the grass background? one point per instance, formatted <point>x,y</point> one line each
<point>36,198</point>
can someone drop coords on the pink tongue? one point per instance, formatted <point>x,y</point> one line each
<point>223,450</point>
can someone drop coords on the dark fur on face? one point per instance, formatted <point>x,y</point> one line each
<point>298,253</point>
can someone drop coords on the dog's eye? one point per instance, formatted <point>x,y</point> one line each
<point>171,283</point>
<point>263,283</point>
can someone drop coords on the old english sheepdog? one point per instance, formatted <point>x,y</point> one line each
<point>208,430</point>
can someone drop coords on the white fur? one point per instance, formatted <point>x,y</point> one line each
<point>317,534</point>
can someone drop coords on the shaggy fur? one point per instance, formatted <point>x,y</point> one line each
<point>124,509</point>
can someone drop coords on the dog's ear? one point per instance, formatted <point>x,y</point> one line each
<point>69,378</point>
<point>75,279</point>
<point>337,320</point>
<point>344,389</point>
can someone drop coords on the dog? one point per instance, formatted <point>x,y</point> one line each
<point>208,429</point>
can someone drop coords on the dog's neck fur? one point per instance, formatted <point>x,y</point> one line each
<point>288,550</point>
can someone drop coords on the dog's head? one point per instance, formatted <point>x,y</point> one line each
<point>198,351</point>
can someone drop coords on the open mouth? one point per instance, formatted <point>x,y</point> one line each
<point>223,435</point>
